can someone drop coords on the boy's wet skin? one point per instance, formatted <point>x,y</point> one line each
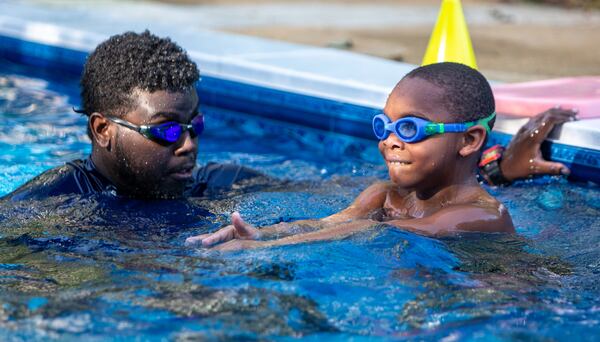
<point>437,172</point>
<point>433,189</point>
<point>138,165</point>
<point>431,161</point>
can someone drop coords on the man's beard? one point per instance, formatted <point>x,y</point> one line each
<point>138,183</point>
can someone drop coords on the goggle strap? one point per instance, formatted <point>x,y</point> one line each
<point>456,127</point>
<point>126,124</point>
<point>435,128</point>
<point>485,122</point>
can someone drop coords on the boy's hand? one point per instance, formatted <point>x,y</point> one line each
<point>523,157</point>
<point>238,230</point>
<point>235,245</point>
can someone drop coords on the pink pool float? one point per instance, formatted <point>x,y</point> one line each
<point>530,98</point>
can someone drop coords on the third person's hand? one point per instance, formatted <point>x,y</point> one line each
<point>523,157</point>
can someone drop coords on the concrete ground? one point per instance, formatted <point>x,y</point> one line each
<point>513,42</point>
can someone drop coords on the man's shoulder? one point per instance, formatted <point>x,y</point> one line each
<point>48,183</point>
<point>74,177</point>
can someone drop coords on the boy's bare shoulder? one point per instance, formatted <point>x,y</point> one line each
<point>483,199</point>
<point>482,212</point>
<point>376,192</point>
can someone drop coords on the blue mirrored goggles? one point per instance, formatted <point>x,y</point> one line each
<point>166,133</point>
<point>413,129</point>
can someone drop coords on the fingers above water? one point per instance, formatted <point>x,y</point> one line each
<point>207,240</point>
<point>543,167</point>
<point>243,230</point>
<point>542,124</point>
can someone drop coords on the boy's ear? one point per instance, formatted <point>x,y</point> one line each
<point>99,126</point>
<point>473,139</point>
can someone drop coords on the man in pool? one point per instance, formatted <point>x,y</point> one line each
<point>432,129</point>
<point>139,94</point>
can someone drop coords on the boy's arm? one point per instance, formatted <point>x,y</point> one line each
<point>451,220</point>
<point>331,232</point>
<point>369,200</point>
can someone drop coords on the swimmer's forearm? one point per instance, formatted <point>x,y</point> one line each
<point>284,229</point>
<point>331,232</point>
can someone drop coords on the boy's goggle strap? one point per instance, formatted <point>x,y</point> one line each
<point>439,128</point>
<point>414,129</point>
<point>168,132</point>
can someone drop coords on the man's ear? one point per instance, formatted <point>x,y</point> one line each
<point>99,126</point>
<point>472,141</point>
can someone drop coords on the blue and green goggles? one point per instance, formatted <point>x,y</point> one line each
<point>166,133</point>
<point>413,129</point>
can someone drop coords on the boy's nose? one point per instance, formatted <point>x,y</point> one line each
<point>393,142</point>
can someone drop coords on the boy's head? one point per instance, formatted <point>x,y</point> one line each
<point>136,90</point>
<point>467,95</point>
<point>437,93</point>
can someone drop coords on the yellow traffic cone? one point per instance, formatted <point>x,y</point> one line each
<point>450,41</point>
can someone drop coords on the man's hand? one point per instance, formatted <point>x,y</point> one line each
<point>523,157</point>
<point>239,229</point>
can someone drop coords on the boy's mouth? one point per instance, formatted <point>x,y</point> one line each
<point>398,162</point>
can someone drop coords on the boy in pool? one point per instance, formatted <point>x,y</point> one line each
<point>431,133</point>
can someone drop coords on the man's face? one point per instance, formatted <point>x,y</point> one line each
<point>148,168</point>
<point>421,165</point>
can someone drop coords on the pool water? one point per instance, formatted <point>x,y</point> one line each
<point>97,267</point>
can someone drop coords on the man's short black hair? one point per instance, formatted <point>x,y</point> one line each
<point>132,61</point>
<point>467,94</point>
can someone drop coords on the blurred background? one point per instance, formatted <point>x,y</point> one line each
<point>513,41</point>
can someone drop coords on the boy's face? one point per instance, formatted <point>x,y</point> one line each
<point>146,167</point>
<point>426,164</point>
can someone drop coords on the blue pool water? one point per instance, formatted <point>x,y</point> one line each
<point>98,268</point>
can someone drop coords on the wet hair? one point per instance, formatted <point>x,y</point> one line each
<point>133,61</point>
<point>467,95</point>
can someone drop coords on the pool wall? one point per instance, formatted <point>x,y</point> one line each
<point>317,89</point>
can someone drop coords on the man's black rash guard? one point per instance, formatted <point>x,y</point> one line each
<point>80,177</point>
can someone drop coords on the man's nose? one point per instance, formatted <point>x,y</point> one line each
<point>187,144</point>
